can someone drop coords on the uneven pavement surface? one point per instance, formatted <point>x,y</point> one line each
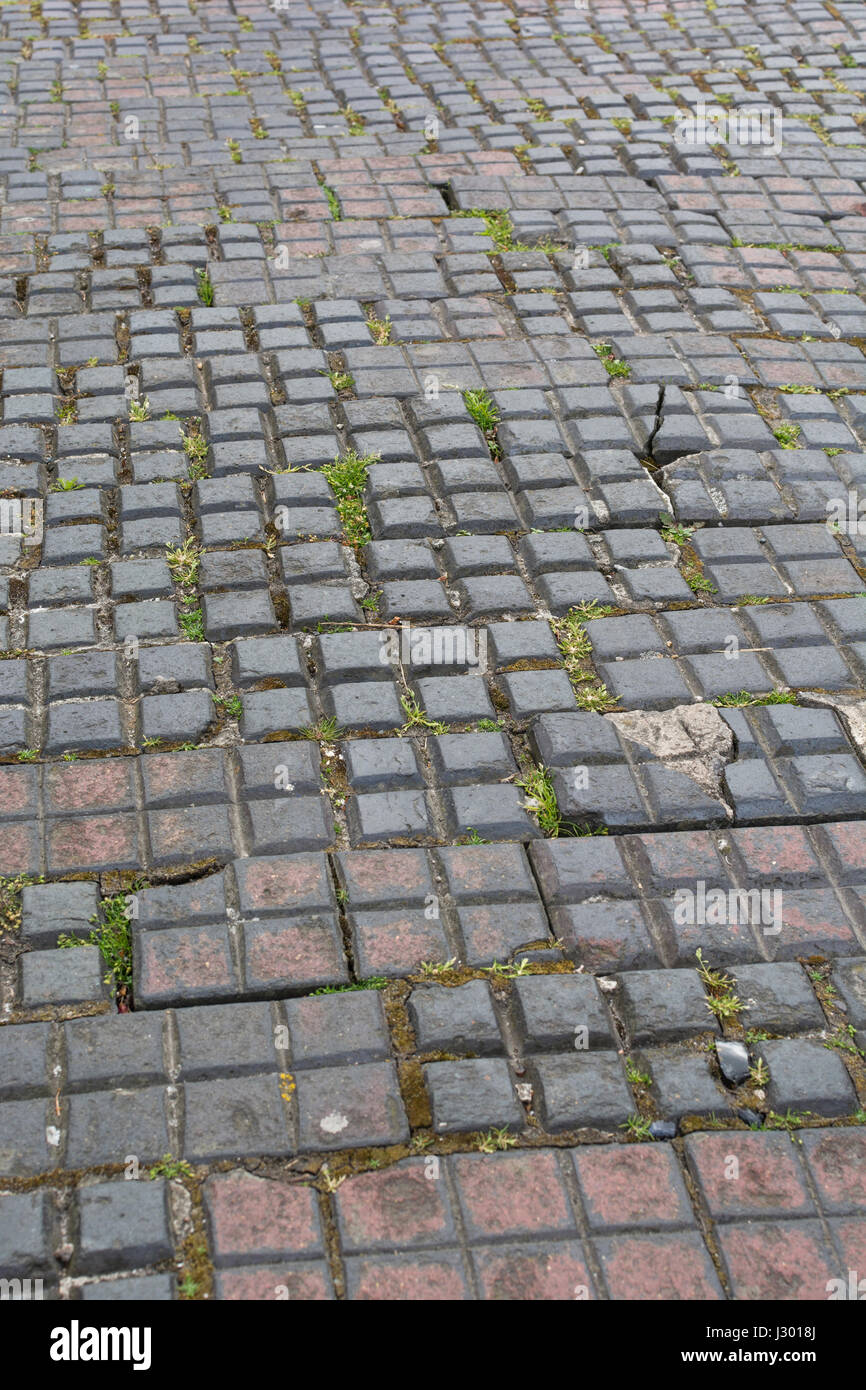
<point>433,510</point>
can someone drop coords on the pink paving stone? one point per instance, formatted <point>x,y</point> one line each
<point>728,943</point>
<point>292,881</point>
<point>765,1174</point>
<point>398,1207</point>
<point>304,1282</point>
<point>408,1278</point>
<point>775,851</point>
<point>19,849</point>
<point>512,1194</point>
<point>848,840</point>
<point>86,786</point>
<point>295,954</point>
<point>482,870</point>
<point>837,1161</point>
<point>555,1271</point>
<point>395,943</point>
<point>93,842</point>
<point>850,1236</point>
<point>185,775</point>
<point>781,373</point>
<point>259,1215</point>
<point>184,960</point>
<point>198,832</point>
<point>18,792</point>
<point>632,1185</point>
<point>394,875</point>
<point>658,1267</point>
<point>812,919</point>
<point>489,936</point>
<point>777,1259</point>
<point>685,855</point>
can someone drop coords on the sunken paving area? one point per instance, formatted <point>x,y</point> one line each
<point>432,719</point>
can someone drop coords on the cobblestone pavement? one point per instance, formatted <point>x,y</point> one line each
<point>432,469</point>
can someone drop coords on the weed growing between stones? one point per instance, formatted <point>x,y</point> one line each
<point>113,936</point>
<point>721,998</point>
<point>541,799</point>
<point>184,563</point>
<point>589,692</point>
<point>204,287</point>
<point>347,477</point>
<point>614,366</point>
<point>739,698</point>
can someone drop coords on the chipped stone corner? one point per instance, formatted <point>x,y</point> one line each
<point>692,739</point>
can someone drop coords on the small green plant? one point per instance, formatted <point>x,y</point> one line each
<point>508,970</point>
<point>737,699</point>
<point>184,562</point>
<point>139,409</point>
<point>754,1035</point>
<point>204,287</point>
<point>66,485</point>
<point>697,580</point>
<point>342,381</point>
<point>170,1167</point>
<point>191,620</point>
<point>635,1076</point>
<point>431,968</point>
<point>594,697</point>
<point>196,448</point>
<point>66,411</point>
<point>372,982</point>
<point>333,203</point>
<point>473,838</point>
<point>591,609</point>
<point>347,476</point>
<point>614,366</point>
<point>843,1040</point>
<point>576,648</point>
<point>721,999</point>
<point>672,531</point>
<point>56,91</point>
<point>417,719</point>
<point>573,642</point>
<point>637,1127</point>
<point>354,120</point>
<point>792,1119</point>
<point>113,936</point>
<point>380,329</point>
<point>759,1073</point>
<point>230,705</point>
<point>28,755</point>
<point>498,227</point>
<point>787,433</point>
<point>483,410</point>
<point>752,600</point>
<point>495,1140</point>
<point>541,799</point>
<point>235,151</point>
<point>326,731</point>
